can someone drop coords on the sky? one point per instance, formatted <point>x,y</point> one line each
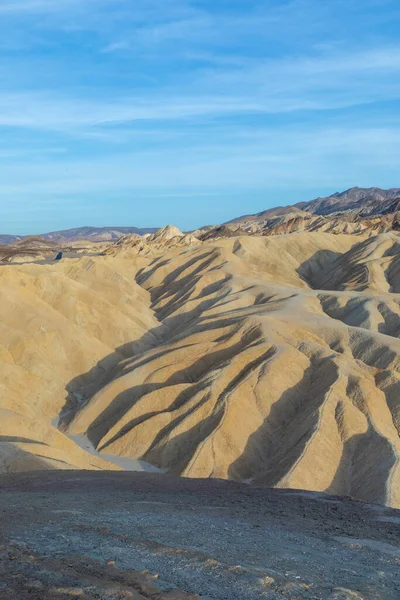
<point>191,112</point>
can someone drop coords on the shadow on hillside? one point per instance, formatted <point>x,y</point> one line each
<point>19,440</point>
<point>85,386</point>
<point>360,476</point>
<point>125,360</point>
<point>135,354</point>
<point>275,447</point>
<point>314,269</point>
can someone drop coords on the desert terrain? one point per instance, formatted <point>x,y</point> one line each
<point>269,360</point>
<point>156,388</point>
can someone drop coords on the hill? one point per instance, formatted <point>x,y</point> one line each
<point>94,234</point>
<point>9,239</point>
<point>272,360</point>
<point>357,211</point>
<point>361,201</point>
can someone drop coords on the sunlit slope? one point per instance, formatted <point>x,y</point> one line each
<point>59,327</point>
<point>272,360</point>
<point>260,376</point>
<point>372,265</point>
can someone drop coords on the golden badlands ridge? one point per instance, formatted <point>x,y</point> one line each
<point>269,360</point>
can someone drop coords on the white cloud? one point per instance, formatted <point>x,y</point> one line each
<point>263,87</point>
<point>115,46</point>
<point>42,111</point>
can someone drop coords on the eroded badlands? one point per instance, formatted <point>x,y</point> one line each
<point>268,360</point>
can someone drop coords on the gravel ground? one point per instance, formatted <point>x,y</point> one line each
<point>215,540</point>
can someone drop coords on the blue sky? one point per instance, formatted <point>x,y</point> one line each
<point>147,112</point>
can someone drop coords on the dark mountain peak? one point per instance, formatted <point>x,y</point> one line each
<point>96,233</point>
<point>363,201</point>
<point>350,211</point>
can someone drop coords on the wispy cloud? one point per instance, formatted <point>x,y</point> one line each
<point>184,97</point>
<point>46,111</point>
<point>37,6</point>
<point>116,46</point>
<point>263,87</point>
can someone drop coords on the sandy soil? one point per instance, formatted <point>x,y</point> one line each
<point>90,535</point>
<point>268,360</point>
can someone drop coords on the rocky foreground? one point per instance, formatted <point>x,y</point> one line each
<point>109,536</point>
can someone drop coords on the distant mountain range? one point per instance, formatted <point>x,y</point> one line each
<point>94,234</point>
<point>360,201</point>
<point>357,210</point>
<point>9,239</point>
